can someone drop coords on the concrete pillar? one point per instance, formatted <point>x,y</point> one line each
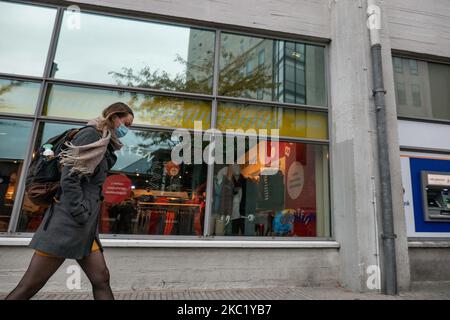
<point>354,150</point>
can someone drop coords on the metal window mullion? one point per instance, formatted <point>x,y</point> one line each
<point>273,104</point>
<point>330,140</point>
<point>35,125</point>
<point>210,169</point>
<point>19,77</point>
<point>127,89</point>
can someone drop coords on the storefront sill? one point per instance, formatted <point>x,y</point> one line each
<point>133,243</point>
<point>429,244</point>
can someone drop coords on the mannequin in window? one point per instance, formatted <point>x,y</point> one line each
<point>241,216</point>
<point>223,198</point>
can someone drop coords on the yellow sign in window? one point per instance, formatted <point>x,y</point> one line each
<point>290,122</point>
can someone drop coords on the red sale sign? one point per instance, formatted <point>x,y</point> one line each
<point>116,188</point>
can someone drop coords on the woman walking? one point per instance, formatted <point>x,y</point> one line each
<point>69,229</point>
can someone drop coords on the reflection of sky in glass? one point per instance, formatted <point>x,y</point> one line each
<point>53,129</point>
<point>25,36</point>
<point>104,44</point>
<point>14,136</point>
<point>130,153</point>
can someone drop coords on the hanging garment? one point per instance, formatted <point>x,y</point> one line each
<point>226,197</point>
<point>238,226</point>
<point>217,191</point>
<point>162,222</point>
<point>170,220</point>
<point>305,224</point>
<point>219,227</point>
<point>271,191</point>
<point>153,222</point>
<point>283,223</point>
<point>237,197</point>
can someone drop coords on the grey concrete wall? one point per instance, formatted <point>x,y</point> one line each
<point>355,167</point>
<point>181,268</point>
<point>302,17</point>
<point>420,26</point>
<point>430,264</point>
<point>352,145</point>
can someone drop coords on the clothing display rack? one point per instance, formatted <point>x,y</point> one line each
<point>167,218</point>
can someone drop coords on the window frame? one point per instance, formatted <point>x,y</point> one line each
<point>425,58</point>
<point>47,80</point>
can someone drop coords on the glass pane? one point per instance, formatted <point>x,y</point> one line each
<point>18,96</point>
<point>14,137</point>
<point>144,193</point>
<point>439,90</point>
<point>290,122</point>
<point>84,103</point>
<point>158,197</point>
<point>287,196</point>
<point>24,46</point>
<point>422,88</point>
<point>135,53</point>
<point>285,71</point>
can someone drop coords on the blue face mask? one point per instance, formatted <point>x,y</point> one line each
<point>121,131</point>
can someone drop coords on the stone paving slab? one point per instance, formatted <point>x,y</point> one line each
<point>425,291</point>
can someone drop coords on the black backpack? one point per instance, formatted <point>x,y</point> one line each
<point>43,179</point>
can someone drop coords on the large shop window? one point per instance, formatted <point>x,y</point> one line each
<point>422,88</point>
<point>85,103</point>
<point>145,192</point>
<point>274,70</point>
<point>130,52</point>
<point>14,136</point>
<point>284,195</point>
<point>18,96</point>
<point>25,38</point>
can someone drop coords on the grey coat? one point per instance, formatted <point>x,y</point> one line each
<point>70,226</point>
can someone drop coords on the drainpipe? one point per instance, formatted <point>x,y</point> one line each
<point>388,236</point>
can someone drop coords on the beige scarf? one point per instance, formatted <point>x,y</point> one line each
<point>84,159</point>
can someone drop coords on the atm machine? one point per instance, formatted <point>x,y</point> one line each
<point>435,194</point>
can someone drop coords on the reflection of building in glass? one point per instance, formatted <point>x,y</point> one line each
<point>412,87</point>
<point>290,72</point>
<point>199,63</point>
<point>263,69</point>
<point>252,59</point>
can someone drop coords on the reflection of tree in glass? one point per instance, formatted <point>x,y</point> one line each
<point>235,82</point>
<point>232,80</point>
<point>4,89</point>
<point>188,81</point>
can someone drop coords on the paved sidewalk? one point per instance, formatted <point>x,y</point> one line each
<point>427,291</point>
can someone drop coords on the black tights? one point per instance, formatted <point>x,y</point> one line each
<point>42,268</point>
